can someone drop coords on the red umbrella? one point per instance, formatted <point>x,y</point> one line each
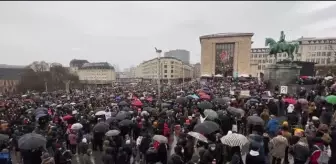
<point>205,97</point>
<point>304,77</point>
<point>290,100</point>
<point>67,117</point>
<point>150,99</point>
<point>137,103</point>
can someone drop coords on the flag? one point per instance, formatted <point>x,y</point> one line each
<point>223,55</point>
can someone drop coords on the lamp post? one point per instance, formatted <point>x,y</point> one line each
<point>158,52</point>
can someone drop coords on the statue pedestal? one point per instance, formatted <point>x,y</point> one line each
<point>283,74</point>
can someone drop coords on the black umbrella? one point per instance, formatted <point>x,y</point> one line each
<point>219,101</point>
<point>206,127</point>
<point>149,109</point>
<point>101,127</point>
<point>126,109</point>
<point>255,120</point>
<point>123,103</point>
<point>205,105</point>
<point>125,123</point>
<point>121,115</point>
<point>31,141</point>
<point>181,100</point>
<point>111,119</point>
<point>3,137</point>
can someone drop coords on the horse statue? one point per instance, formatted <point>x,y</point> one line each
<point>281,46</point>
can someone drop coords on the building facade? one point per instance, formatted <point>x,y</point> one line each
<point>75,64</point>
<point>97,73</point>
<point>10,78</point>
<point>261,59</point>
<point>182,55</point>
<point>321,51</point>
<point>170,69</point>
<point>227,54</point>
<point>197,70</point>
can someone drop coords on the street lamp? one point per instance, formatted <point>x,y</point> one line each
<point>158,52</point>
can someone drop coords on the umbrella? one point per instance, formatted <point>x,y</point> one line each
<point>198,136</point>
<point>126,109</point>
<point>290,100</point>
<point>149,109</point>
<point>164,105</point>
<point>302,101</point>
<point>41,110</point>
<point>160,138</point>
<point>252,101</point>
<point>67,117</point>
<point>101,127</point>
<point>112,133</point>
<point>31,141</point>
<point>220,101</point>
<point>206,127</point>
<point>99,113</point>
<point>255,120</point>
<point>123,103</point>
<point>205,97</point>
<point>144,113</point>
<point>236,111</point>
<point>121,115</point>
<point>125,123</point>
<point>205,105</point>
<point>181,100</point>
<point>234,139</point>
<point>137,103</point>
<point>194,96</point>
<point>40,115</point>
<point>331,99</point>
<point>3,137</point>
<point>110,120</point>
<point>76,126</point>
<point>210,114</point>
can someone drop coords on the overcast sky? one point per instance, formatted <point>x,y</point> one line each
<point>125,33</point>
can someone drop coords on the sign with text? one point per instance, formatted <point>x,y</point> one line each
<point>284,89</point>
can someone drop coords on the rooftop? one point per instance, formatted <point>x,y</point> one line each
<point>98,65</point>
<point>229,34</point>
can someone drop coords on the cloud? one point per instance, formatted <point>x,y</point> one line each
<point>125,33</point>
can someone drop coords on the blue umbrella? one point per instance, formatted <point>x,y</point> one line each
<point>40,115</point>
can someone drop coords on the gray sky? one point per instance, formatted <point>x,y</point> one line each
<point>125,33</point>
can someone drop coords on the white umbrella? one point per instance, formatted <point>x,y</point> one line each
<point>24,96</point>
<point>76,126</point>
<point>160,138</point>
<point>143,113</point>
<point>198,136</point>
<point>234,139</point>
<point>218,75</point>
<point>72,103</point>
<point>328,78</point>
<point>99,113</point>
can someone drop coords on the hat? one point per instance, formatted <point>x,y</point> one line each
<point>84,140</point>
<point>314,118</point>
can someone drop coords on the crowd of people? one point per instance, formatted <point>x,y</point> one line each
<point>208,122</point>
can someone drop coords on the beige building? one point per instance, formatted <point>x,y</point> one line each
<point>261,59</point>
<point>226,54</point>
<point>197,70</point>
<point>322,51</point>
<point>97,73</point>
<point>170,69</point>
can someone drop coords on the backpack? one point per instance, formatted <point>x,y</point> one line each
<point>320,156</point>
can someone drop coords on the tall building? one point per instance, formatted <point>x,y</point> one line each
<point>170,69</point>
<point>226,54</point>
<point>183,55</point>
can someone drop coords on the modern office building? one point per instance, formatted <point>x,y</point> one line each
<point>227,54</point>
<point>183,55</point>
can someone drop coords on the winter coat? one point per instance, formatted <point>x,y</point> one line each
<point>236,159</point>
<point>259,159</point>
<point>107,157</point>
<point>258,140</point>
<point>83,147</point>
<point>87,159</point>
<point>277,146</point>
<point>300,151</point>
<point>72,139</point>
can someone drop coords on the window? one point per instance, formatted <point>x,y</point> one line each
<point>323,61</point>
<point>165,71</point>
<point>313,60</point>
<point>313,54</point>
<point>328,61</point>
<point>328,53</point>
<point>318,61</point>
<point>260,55</point>
<point>263,67</point>
<point>323,53</point>
<point>252,56</point>
<point>172,71</point>
<point>255,55</point>
<point>171,76</point>
<point>172,67</point>
<point>318,53</point>
<point>264,55</point>
<point>259,67</point>
<point>259,61</point>
<point>172,62</point>
<point>284,55</point>
<point>165,76</point>
<point>165,66</point>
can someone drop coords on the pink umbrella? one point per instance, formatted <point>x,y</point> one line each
<point>205,97</point>
<point>137,103</point>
